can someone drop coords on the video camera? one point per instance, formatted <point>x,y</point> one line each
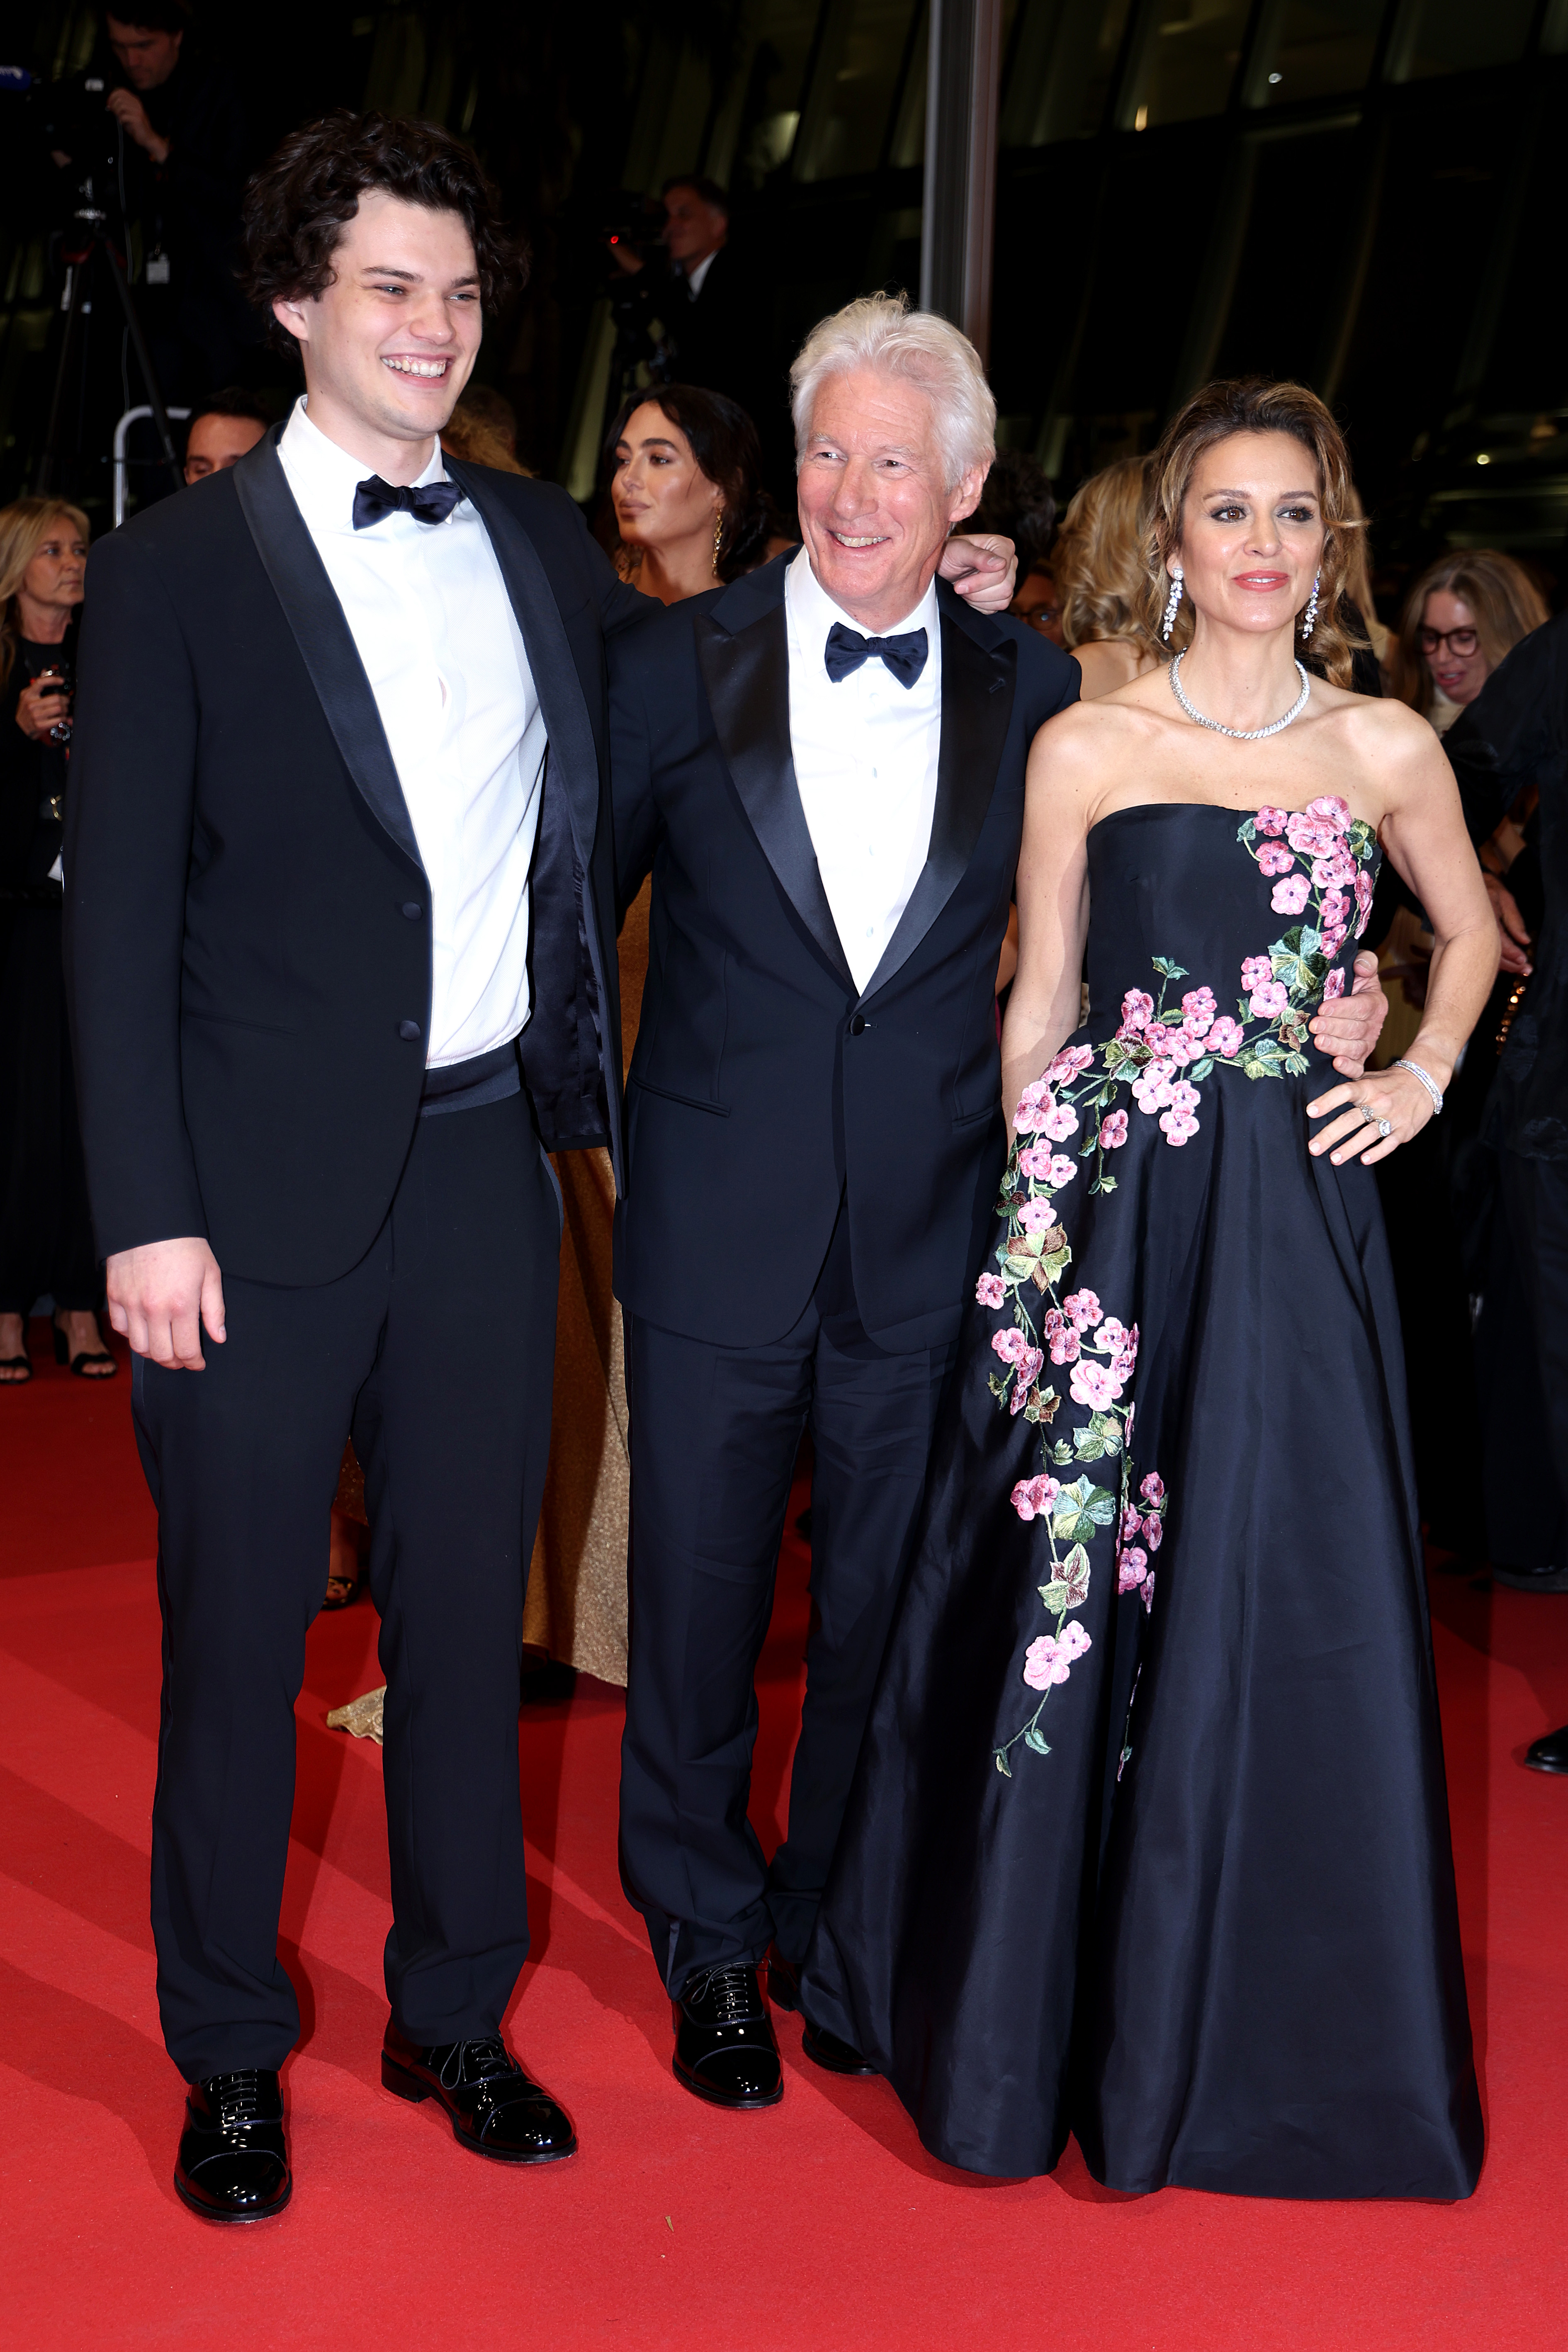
<point>72,118</point>
<point>634,221</point>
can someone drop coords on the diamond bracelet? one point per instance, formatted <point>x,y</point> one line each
<point>1431,1084</point>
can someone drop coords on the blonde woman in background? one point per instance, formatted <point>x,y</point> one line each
<point>46,1232</point>
<point>1463,614</point>
<point>1097,565</point>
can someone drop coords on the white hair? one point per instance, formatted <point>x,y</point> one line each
<point>880,331</point>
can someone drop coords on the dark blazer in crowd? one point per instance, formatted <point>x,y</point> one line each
<point>720,339</point>
<point>247,941</point>
<point>1516,734</point>
<point>764,1082</point>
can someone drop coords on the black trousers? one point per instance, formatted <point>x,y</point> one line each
<point>714,1434</point>
<point>1522,1362</point>
<point>438,1350</point>
<point>46,1229</point>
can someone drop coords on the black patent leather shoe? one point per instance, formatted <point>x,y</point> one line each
<point>724,2046</point>
<point>493,2107</point>
<point>233,2164</point>
<point>1550,1754</point>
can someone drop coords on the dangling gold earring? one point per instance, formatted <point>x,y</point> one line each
<point>718,538</point>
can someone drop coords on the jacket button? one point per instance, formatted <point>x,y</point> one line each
<point>409,1032</point>
<point>858,1026</point>
<point>413,910</point>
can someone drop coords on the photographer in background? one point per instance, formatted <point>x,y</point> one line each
<point>45,1233</point>
<point>222,431</point>
<point>715,329</point>
<point>174,127</point>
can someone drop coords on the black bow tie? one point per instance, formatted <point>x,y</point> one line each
<point>425,501</point>
<point>905,656</point>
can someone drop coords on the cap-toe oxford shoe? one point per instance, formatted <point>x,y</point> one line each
<point>233,2164</point>
<point>493,2107</point>
<point>725,2046</point>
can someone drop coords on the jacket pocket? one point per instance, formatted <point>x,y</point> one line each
<point>692,1102</point>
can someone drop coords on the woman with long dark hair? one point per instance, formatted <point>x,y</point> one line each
<point>686,485</point>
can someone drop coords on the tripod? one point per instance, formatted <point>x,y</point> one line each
<point>90,254</point>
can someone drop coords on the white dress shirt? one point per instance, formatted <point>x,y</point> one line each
<point>428,610</point>
<point>866,756</point>
<point>694,277</point>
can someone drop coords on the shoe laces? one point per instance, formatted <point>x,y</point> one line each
<point>236,2097</point>
<point>730,1991</point>
<point>472,2061</point>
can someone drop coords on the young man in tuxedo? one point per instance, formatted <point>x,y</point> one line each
<point>340,944</point>
<point>822,765</point>
<point>340,949</point>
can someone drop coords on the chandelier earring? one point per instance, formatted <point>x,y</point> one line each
<point>1172,602</point>
<point>1309,617</point>
<point>718,540</point>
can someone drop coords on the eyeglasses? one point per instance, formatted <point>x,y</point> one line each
<point>1461,643</point>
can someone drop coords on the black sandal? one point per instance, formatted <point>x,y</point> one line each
<point>344,1600</point>
<point>10,1364</point>
<point>77,1362</point>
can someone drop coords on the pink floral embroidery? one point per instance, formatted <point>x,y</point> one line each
<point>1290,896</point>
<point>990,1290</point>
<point>1131,1568</point>
<point>1033,1497</point>
<point>1049,1659</point>
<point>1274,858</point>
<point>1113,1130</point>
<point>1226,1037</point>
<point>1152,1487</point>
<point>1269,1000</point>
<point>1333,986</point>
<point>1255,971</point>
<point>1270,821</point>
<point>1083,1306</point>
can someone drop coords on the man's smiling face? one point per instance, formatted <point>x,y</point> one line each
<point>391,342</point>
<point>875,505</point>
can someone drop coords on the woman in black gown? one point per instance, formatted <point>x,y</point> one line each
<point>1150,1838</point>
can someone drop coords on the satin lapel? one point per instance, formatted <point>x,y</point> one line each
<point>977,683</point>
<point>747,676</point>
<point>326,643</point>
<point>573,755</point>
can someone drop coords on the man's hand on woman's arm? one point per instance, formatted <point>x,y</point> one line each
<point>1347,1027</point>
<point>161,1295</point>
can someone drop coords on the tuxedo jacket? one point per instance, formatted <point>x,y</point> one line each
<point>766,1086</point>
<point>248,923</point>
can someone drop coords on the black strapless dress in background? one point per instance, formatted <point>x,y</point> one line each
<point>1149,1839</point>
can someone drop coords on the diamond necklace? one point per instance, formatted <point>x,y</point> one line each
<point>1239,734</point>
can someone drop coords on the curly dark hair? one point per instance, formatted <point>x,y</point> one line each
<point>298,206</point>
<point>725,444</point>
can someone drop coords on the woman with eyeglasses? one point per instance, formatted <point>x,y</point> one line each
<point>1463,614</point>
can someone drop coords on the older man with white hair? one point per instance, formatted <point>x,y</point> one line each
<point>823,766</point>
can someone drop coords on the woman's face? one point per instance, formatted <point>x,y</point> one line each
<point>1450,647</point>
<point>1252,531</point>
<point>58,568</point>
<point>660,493</point>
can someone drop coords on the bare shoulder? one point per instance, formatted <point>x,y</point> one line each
<point>1395,750</point>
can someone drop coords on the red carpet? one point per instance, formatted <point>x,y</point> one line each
<point>819,2225</point>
